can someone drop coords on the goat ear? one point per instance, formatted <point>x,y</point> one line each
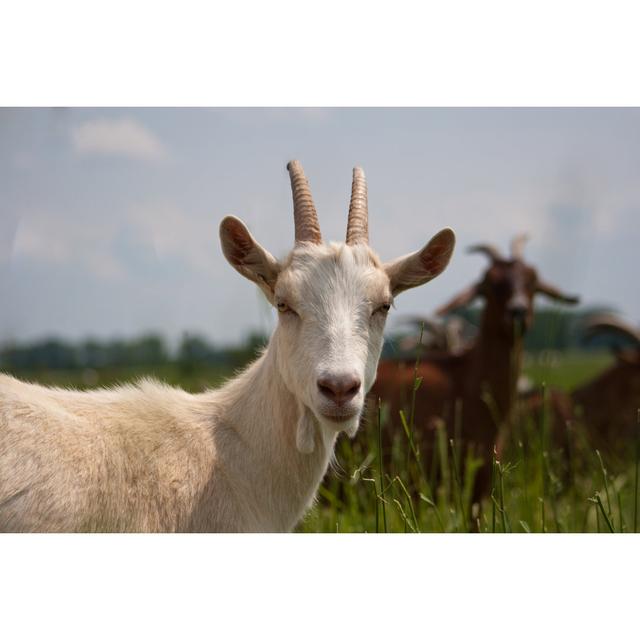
<point>461,300</point>
<point>424,265</point>
<point>247,257</point>
<point>555,293</point>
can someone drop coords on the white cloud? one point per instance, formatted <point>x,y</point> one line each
<point>173,232</point>
<point>117,137</point>
<point>51,238</point>
<point>117,245</point>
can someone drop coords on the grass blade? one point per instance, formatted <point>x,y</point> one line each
<point>635,493</point>
<point>458,487</point>
<point>493,491</point>
<point>596,499</point>
<point>380,469</point>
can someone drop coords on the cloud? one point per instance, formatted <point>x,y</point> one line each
<point>175,233</point>
<point>136,239</point>
<point>117,137</point>
<point>49,237</point>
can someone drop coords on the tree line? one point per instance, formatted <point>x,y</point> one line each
<point>150,350</point>
<point>552,329</point>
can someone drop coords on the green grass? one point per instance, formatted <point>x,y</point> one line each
<point>532,491</point>
<point>535,487</point>
<point>566,370</point>
<point>191,378</point>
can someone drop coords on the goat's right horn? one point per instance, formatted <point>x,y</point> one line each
<point>608,323</point>
<point>489,250</point>
<point>307,228</point>
<point>358,224</point>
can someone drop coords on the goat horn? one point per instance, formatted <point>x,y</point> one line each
<point>609,323</point>
<point>517,246</point>
<point>358,224</point>
<point>305,217</point>
<point>489,250</point>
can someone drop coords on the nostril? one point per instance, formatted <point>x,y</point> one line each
<point>339,388</point>
<point>353,388</point>
<point>326,388</point>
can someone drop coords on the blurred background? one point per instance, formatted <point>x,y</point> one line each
<point>111,269</point>
<point>109,252</point>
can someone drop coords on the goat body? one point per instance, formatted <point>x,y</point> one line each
<point>472,393</point>
<point>153,458</point>
<point>609,404</point>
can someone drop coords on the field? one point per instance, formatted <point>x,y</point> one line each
<point>536,487</point>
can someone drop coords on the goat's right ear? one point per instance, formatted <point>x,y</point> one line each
<point>247,257</point>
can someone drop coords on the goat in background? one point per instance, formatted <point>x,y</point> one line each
<point>474,391</point>
<point>608,405</point>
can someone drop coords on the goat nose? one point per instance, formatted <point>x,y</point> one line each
<point>518,312</point>
<point>339,388</point>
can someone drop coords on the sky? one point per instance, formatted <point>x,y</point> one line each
<point>109,217</point>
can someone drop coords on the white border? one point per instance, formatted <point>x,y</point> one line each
<point>334,53</point>
<point>306,586</point>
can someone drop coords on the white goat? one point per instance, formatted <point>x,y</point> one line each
<point>247,457</point>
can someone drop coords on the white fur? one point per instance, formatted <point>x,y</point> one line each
<point>247,457</point>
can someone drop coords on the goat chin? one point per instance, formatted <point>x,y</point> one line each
<point>309,425</point>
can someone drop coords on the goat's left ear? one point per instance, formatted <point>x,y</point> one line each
<point>247,257</point>
<point>424,265</point>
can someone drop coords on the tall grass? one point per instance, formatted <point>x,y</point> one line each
<point>577,488</point>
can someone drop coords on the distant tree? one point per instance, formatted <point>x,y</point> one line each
<point>46,354</point>
<point>195,352</point>
<point>148,350</point>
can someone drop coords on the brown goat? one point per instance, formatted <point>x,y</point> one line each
<point>608,405</point>
<point>474,391</point>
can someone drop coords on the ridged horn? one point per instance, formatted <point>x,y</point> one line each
<point>489,250</point>
<point>358,224</point>
<point>307,228</point>
<point>517,246</point>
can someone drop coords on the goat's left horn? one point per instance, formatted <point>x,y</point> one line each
<point>358,224</point>
<point>307,228</point>
<point>517,246</point>
<point>487,249</point>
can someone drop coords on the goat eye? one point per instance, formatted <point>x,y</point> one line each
<point>383,308</point>
<point>283,307</point>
